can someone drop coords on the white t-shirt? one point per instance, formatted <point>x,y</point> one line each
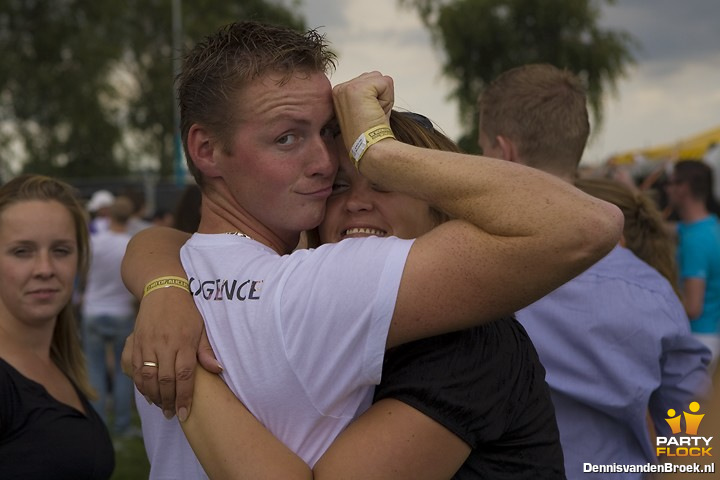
<point>301,337</point>
<point>105,292</point>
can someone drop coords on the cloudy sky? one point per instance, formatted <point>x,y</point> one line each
<point>673,91</point>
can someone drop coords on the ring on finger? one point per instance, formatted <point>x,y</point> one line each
<point>150,364</point>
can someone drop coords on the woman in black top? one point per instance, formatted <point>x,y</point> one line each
<point>47,427</point>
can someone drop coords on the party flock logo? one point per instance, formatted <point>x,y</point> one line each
<point>684,443</point>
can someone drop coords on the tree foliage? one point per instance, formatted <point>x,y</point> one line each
<point>86,86</point>
<point>483,38</point>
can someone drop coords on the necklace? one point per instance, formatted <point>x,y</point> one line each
<point>239,234</point>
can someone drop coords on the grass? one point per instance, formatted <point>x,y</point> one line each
<point>131,462</point>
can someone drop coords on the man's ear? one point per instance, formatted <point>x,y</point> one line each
<point>203,148</point>
<point>507,147</point>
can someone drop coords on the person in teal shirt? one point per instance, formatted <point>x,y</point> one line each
<point>689,192</point>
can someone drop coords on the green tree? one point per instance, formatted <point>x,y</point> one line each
<point>483,38</point>
<point>52,85</point>
<point>86,86</point>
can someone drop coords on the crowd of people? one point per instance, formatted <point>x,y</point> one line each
<point>351,296</point>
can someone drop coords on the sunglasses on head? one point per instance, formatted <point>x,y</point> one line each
<point>421,120</point>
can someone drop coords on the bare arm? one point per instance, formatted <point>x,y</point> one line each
<point>392,440</point>
<point>522,232</point>
<point>693,297</point>
<point>149,250</point>
<point>389,441</point>
<point>168,328</point>
<point>230,442</point>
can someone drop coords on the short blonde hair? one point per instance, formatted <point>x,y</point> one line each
<point>221,66</point>
<point>543,111</point>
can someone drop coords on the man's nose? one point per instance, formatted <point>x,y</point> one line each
<point>324,160</point>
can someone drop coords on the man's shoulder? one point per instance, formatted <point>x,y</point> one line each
<point>623,264</point>
<point>707,226</point>
<point>351,258</point>
<point>619,271</point>
<point>701,238</point>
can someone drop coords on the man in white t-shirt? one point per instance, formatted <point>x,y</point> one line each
<point>301,336</point>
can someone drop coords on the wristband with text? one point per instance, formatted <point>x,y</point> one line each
<point>165,282</point>
<point>370,137</point>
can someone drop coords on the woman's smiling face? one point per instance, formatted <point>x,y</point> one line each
<point>357,208</point>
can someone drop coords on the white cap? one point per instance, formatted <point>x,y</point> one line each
<point>100,199</point>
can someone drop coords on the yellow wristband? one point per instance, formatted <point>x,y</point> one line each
<point>165,282</point>
<point>370,137</point>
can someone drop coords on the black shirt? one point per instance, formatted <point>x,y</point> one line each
<point>41,438</point>
<point>487,386</point>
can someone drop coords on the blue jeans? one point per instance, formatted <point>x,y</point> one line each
<point>99,332</point>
